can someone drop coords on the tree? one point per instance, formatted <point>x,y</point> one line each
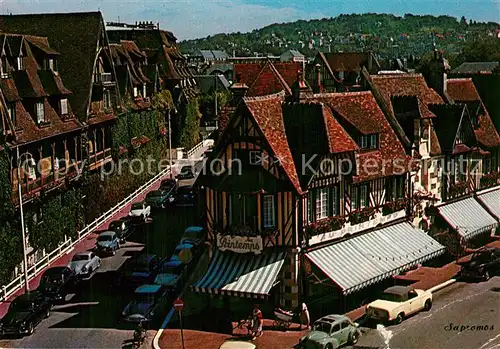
<point>190,130</point>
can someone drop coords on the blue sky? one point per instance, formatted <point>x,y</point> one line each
<point>199,18</point>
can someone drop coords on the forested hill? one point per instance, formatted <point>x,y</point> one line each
<point>385,34</point>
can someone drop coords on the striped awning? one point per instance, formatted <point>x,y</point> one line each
<point>240,275</point>
<point>369,258</point>
<point>467,217</point>
<point>492,201</point>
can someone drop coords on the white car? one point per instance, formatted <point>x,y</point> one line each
<point>140,210</point>
<point>397,302</point>
<point>85,263</point>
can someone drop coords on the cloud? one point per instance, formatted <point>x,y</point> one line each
<point>186,18</point>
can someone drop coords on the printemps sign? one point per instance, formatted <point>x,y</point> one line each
<point>240,244</point>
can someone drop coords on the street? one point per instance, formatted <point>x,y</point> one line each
<point>476,305</point>
<point>90,317</point>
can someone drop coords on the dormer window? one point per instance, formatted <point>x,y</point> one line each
<point>20,63</point>
<point>368,141</point>
<point>40,112</point>
<point>64,106</point>
<point>5,73</point>
<point>52,64</point>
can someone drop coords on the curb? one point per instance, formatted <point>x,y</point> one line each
<point>156,339</point>
<point>442,285</point>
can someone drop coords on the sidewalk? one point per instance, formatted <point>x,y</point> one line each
<point>423,278</point>
<point>89,242</point>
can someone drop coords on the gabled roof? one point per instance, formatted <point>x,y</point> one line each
<point>464,91</point>
<point>75,36</point>
<point>268,81</point>
<point>294,53</point>
<point>407,85</point>
<point>41,43</point>
<point>476,68</point>
<point>268,116</point>
<point>360,111</point>
<point>448,122</point>
<point>350,61</point>
<point>339,140</point>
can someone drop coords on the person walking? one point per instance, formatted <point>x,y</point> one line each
<point>257,322</point>
<point>305,319</point>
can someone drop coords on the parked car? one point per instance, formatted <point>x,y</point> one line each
<point>482,264</point>
<point>397,302</point>
<point>157,198</point>
<point>185,196</point>
<point>140,210</point>
<point>170,186</point>
<point>149,301</point>
<point>141,269</point>
<point>85,263</point>
<point>331,332</point>
<point>123,227</point>
<point>183,252</point>
<point>56,283</point>
<point>107,242</point>
<point>25,313</point>
<point>186,173</point>
<point>193,235</point>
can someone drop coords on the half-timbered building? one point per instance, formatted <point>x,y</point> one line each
<point>293,177</point>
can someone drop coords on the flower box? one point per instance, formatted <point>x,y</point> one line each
<point>325,226</point>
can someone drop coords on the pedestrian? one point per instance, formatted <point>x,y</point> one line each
<point>305,319</point>
<point>257,322</point>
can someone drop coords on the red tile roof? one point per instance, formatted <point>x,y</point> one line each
<point>435,146</point>
<point>247,72</point>
<point>350,61</point>
<point>463,90</point>
<point>407,85</point>
<point>288,70</point>
<point>362,111</point>
<point>339,140</point>
<point>268,81</point>
<point>268,116</point>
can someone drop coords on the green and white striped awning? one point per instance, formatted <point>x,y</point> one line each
<point>240,275</point>
<point>369,258</point>
<point>491,200</point>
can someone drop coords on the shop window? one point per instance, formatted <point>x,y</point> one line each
<point>269,211</point>
<point>322,203</point>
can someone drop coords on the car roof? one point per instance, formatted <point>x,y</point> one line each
<point>398,290</point>
<point>333,318</point>
<point>84,253</point>
<point>55,270</point>
<point>107,233</point>
<point>193,229</point>
<point>147,289</point>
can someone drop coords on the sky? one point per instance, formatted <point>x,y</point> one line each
<point>190,19</point>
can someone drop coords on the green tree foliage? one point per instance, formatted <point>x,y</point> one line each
<point>190,130</point>
<point>207,103</point>
<point>481,50</point>
<point>10,232</point>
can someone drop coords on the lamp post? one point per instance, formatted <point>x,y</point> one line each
<point>25,257</point>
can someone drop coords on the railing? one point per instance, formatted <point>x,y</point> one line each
<point>68,244</point>
<point>197,148</point>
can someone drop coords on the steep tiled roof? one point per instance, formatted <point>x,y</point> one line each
<point>475,67</point>
<point>268,81</point>
<point>361,111</point>
<point>9,90</point>
<point>463,90</point>
<point>288,70</point>
<point>132,48</point>
<point>41,43</point>
<point>350,61</point>
<point>32,132</point>
<point>435,146</point>
<point>247,72</point>
<point>268,116</point>
<point>52,83</point>
<point>339,140</point>
<point>407,85</point>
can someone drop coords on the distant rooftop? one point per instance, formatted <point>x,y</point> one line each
<point>476,67</point>
<point>137,25</point>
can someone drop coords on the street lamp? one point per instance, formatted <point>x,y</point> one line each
<point>25,257</point>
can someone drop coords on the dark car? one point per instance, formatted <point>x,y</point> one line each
<point>482,264</point>
<point>139,270</point>
<point>24,314</point>
<point>149,301</point>
<point>123,227</point>
<point>186,173</point>
<point>170,186</point>
<point>157,198</point>
<point>186,196</point>
<point>56,283</point>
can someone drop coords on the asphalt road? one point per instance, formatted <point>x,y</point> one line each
<point>90,316</point>
<point>445,326</point>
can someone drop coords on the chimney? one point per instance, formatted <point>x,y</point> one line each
<point>317,87</point>
<point>239,90</point>
<point>300,89</point>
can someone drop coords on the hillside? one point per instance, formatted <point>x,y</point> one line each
<point>385,34</point>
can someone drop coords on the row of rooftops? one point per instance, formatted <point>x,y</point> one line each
<point>346,116</point>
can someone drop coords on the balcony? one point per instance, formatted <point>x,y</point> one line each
<point>105,79</point>
<point>100,158</point>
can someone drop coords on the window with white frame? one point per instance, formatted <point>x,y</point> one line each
<point>144,91</point>
<point>335,201</point>
<point>363,196</point>
<point>354,198</point>
<point>20,63</point>
<point>64,106</point>
<point>359,197</point>
<point>322,203</point>
<point>269,216</point>
<point>309,208</point>
<point>135,91</point>
<point>40,112</point>
<point>5,73</point>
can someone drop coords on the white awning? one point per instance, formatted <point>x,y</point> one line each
<point>492,201</point>
<point>369,258</point>
<point>467,217</point>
